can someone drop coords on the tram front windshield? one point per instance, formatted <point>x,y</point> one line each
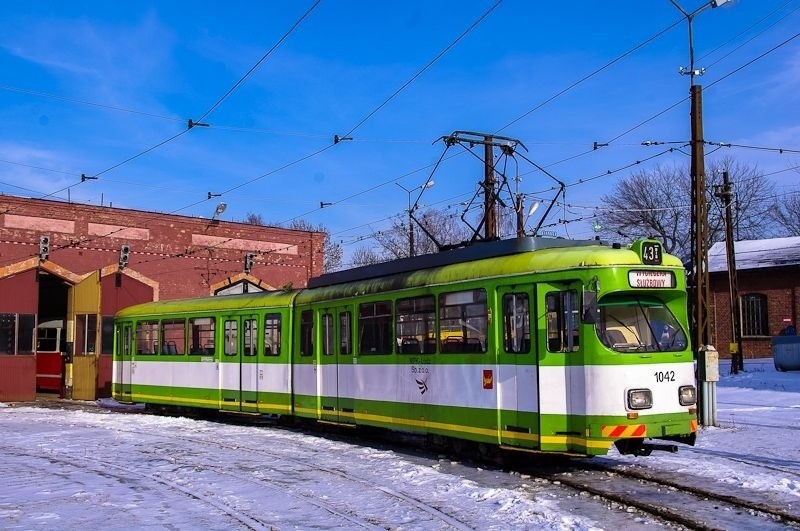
<point>639,324</point>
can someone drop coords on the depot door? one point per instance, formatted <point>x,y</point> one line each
<point>560,374</point>
<point>238,367</point>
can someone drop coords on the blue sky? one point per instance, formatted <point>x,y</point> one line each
<point>171,61</point>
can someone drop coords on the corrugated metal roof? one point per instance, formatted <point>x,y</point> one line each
<point>756,254</point>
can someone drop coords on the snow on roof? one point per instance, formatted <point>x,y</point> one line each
<point>756,254</point>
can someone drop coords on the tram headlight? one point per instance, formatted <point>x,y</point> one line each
<point>640,399</point>
<point>687,395</point>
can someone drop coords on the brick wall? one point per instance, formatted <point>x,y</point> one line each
<point>185,255</point>
<point>781,285</point>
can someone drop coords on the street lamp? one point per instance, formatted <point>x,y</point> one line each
<point>409,191</point>
<point>692,71</point>
<point>698,274</point>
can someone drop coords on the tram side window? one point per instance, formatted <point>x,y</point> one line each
<point>272,334</point>
<point>463,321</point>
<point>328,339</point>
<point>147,337</point>
<point>250,337</point>
<point>201,335</point>
<point>516,323</point>
<point>416,325</point>
<point>307,333</point>
<point>231,337</point>
<point>562,321</point>
<point>173,337</point>
<point>345,334</point>
<point>375,327</point>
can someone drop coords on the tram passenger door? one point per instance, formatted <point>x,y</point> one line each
<point>517,382</point>
<point>562,389</point>
<point>335,365</point>
<point>124,360</point>
<point>238,365</point>
<point>327,370</point>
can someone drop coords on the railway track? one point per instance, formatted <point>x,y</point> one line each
<point>674,501</point>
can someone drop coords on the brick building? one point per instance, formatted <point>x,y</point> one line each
<point>768,274</point>
<point>66,269</point>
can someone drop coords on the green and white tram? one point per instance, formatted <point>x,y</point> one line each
<point>534,344</point>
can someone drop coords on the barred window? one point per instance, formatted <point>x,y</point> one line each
<point>755,320</point>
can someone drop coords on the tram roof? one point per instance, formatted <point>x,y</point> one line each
<point>220,303</point>
<point>476,251</point>
<point>508,257</point>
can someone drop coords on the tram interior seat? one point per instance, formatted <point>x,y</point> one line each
<point>453,344</point>
<point>429,346</point>
<point>409,345</point>
<point>473,344</point>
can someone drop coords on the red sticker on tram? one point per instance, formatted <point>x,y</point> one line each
<point>488,378</point>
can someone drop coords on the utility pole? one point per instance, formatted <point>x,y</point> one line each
<point>490,210</point>
<point>737,355</point>
<point>705,354</point>
<point>698,276</point>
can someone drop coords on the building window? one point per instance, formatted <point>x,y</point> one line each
<point>755,320</point>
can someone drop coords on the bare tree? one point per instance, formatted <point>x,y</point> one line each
<point>331,250</point>
<point>657,203</point>
<point>254,219</point>
<point>366,256</point>
<point>787,214</point>
<point>394,242</point>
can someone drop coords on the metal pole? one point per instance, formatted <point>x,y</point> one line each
<point>411,251</point>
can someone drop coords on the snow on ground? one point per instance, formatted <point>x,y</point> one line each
<point>69,469</point>
<point>756,444</point>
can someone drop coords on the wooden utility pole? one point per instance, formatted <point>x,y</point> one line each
<point>737,355</point>
<point>490,209</point>
<point>698,276</point>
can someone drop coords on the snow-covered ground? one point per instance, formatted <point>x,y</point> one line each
<point>69,469</point>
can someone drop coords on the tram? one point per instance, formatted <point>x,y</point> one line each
<point>533,344</point>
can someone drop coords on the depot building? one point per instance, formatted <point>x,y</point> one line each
<point>66,269</point>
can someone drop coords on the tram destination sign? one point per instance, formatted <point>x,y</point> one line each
<point>651,279</point>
